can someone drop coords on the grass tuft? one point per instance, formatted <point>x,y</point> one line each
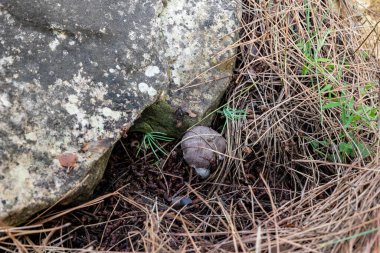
<point>151,141</point>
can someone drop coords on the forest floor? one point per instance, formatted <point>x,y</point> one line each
<point>301,170</point>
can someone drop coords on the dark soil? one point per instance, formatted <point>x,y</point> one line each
<point>106,225</point>
<point>115,223</point>
<point>139,180</point>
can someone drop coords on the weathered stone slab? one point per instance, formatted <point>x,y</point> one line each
<point>195,37</point>
<point>74,73</point>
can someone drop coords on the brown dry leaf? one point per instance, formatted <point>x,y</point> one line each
<point>247,150</point>
<point>191,114</point>
<point>68,160</point>
<point>264,108</point>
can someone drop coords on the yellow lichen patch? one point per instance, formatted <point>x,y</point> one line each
<point>227,65</point>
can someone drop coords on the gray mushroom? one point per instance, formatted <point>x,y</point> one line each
<point>202,146</point>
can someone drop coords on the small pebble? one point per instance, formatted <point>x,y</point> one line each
<point>181,201</point>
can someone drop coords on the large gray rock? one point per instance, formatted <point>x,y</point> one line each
<point>74,73</point>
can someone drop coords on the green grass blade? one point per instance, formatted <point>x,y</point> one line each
<point>332,242</point>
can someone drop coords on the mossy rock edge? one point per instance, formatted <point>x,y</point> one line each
<point>165,118</point>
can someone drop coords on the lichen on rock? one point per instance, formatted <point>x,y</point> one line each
<point>73,75</point>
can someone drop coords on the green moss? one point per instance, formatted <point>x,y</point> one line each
<point>161,117</point>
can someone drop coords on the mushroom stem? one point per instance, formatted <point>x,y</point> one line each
<point>202,172</point>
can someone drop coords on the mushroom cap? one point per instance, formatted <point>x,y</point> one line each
<point>201,146</point>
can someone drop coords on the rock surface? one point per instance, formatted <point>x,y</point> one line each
<point>74,73</point>
<point>367,16</point>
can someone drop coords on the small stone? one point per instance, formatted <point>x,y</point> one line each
<point>98,146</point>
<point>181,201</point>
